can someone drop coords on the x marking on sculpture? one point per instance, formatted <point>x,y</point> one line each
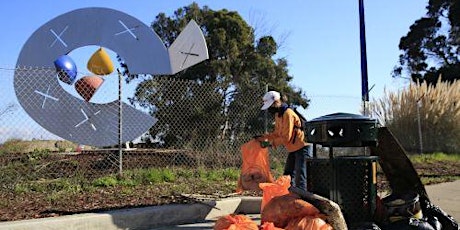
<point>46,95</point>
<point>58,37</point>
<point>129,30</point>
<point>188,54</point>
<point>87,119</point>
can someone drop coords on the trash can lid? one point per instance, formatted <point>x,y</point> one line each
<point>342,116</point>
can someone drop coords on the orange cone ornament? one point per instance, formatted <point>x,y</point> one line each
<point>99,63</point>
<point>87,86</point>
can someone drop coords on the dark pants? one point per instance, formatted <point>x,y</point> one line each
<point>296,167</point>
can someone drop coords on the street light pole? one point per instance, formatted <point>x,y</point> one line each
<point>364,78</point>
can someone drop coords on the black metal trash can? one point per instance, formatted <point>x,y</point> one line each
<point>349,181</point>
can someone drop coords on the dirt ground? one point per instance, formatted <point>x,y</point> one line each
<point>39,205</point>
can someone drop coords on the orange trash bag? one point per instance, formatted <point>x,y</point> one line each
<point>255,168</point>
<point>308,223</point>
<point>278,188</point>
<point>269,226</point>
<point>235,222</point>
<point>282,209</point>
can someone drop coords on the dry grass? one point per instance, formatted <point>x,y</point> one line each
<point>21,146</point>
<point>438,110</point>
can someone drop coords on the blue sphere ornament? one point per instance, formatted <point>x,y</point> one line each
<point>66,69</point>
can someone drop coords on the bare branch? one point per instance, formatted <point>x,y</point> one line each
<point>262,27</point>
<point>8,109</point>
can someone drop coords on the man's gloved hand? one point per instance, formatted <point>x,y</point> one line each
<point>265,144</point>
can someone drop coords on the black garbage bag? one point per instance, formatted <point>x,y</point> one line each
<point>434,222</point>
<point>430,210</point>
<point>365,226</point>
<point>409,224</point>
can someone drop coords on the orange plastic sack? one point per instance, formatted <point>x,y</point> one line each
<point>235,222</point>
<point>308,223</point>
<point>255,168</point>
<point>282,209</point>
<point>269,226</point>
<point>278,188</point>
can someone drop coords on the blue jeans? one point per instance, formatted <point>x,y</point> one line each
<point>296,167</point>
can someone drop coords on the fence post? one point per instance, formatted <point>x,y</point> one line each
<point>419,104</point>
<point>120,129</point>
<point>266,113</point>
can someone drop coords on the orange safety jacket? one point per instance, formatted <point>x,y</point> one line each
<point>286,132</point>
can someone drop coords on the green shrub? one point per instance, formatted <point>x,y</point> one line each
<point>168,175</point>
<point>183,173</point>
<point>21,188</point>
<point>213,176</point>
<point>201,173</point>
<point>128,182</point>
<point>154,176</point>
<point>231,173</point>
<point>107,181</point>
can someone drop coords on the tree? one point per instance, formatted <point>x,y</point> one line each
<point>238,69</point>
<point>431,47</point>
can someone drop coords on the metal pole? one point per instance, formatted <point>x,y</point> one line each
<point>419,104</point>
<point>120,129</point>
<point>266,113</point>
<point>364,77</point>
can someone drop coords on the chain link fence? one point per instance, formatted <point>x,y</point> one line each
<point>198,124</point>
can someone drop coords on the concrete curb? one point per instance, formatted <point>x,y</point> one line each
<point>143,218</point>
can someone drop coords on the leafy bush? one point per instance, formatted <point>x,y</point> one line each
<point>107,181</point>
<point>168,175</point>
<point>154,176</point>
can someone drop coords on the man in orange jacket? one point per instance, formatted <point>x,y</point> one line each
<point>288,133</point>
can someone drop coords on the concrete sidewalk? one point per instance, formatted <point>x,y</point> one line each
<point>144,218</point>
<point>196,216</point>
<point>447,197</point>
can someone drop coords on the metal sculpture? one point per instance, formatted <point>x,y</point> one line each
<point>79,120</point>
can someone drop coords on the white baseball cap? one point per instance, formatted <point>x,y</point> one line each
<point>269,98</point>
